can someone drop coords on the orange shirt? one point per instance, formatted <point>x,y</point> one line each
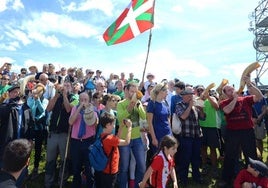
<point>113,163</point>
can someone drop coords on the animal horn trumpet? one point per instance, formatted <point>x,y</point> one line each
<point>224,82</point>
<point>209,87</point>
<point>24,83</point>
<point>250,68</point>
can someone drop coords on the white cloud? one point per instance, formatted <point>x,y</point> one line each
<point>17,4</point>
<point>19,35</point>
<point>3,5</point>
<point>177,9</point>
<point>30,62</point>
<point>204,3</point>
<point>164,64</point>
<point>233,72</point>
<point>11,4</point>
<point>11,46</point>
<point>51,41</point>
<point>48,22</point>
<point>105,6</point>
<point>6,59</point>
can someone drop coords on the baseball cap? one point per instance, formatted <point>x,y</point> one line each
<point>259,166</point>
<point>13,88</point>
<point>187,91</point>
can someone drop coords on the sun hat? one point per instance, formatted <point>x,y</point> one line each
<point>89,115</point>
<point>149,74</point>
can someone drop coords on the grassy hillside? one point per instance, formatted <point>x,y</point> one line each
<point>209,180</point>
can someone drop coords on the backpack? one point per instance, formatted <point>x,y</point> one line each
<point>176,124</point>
<point>97,157</point>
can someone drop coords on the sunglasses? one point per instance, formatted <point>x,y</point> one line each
<point>5,79</point>
<point>163,88</point>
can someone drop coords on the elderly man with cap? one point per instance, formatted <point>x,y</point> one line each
<point>255,175</point>
<point>190,136</point>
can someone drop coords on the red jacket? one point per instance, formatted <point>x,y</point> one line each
<point>245,176</point>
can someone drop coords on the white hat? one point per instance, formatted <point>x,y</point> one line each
<point>89,116</point>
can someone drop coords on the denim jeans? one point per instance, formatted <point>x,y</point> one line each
<point>190,151</point>
<point>136,146</point>
<point>79,156</point>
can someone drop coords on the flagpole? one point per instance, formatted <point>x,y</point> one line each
<point>146,60</point>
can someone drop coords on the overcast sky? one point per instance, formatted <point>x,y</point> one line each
<point>197,41</point>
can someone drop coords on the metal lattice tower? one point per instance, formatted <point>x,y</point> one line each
<point>259,27</point>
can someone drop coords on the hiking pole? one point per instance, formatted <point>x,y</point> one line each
<point>65,155</point>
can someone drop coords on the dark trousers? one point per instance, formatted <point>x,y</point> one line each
<point>236,139</point>
<point>39,138</point>
<point>79,157</point>
<point>189,153</point>
<point>103,180</point>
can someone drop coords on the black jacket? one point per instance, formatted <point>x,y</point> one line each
<point>7,180</point>
<point>9,123</point>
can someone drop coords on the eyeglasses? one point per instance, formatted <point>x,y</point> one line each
<point>5,79</point>
<point>115,100</point>
<point>90,72</point>
<point>199,90</point>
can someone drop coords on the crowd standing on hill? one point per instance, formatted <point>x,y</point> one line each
<point>66,110</point>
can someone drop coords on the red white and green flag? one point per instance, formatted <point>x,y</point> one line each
<point>134,20</point>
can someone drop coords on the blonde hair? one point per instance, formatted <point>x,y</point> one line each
<point>155,91</point>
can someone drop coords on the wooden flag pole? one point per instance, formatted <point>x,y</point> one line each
<point>146,60</point>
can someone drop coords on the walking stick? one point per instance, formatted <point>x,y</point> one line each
<point>65,156</point>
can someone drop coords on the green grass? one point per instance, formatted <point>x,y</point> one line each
<point>209,181</point>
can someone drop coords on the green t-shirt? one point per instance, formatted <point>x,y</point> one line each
<point>135,115</point>
<point>212,116</point>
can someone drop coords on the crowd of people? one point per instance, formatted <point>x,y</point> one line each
<point>65,110</point>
